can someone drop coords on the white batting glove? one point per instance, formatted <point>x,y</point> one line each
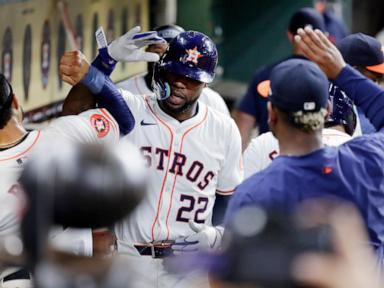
<point>127,47</point>
<point>206,238</point>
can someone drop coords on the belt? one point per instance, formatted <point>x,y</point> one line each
<point>21,274</point>
<point>156,250</point>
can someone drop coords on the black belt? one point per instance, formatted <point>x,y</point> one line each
<point>156,250</point>
<point>21,274</point>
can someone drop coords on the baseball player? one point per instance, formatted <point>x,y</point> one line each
<point>186,179</point>
<point>96,125</point>
<point>142,84</point>
<point>365,54</point>
<point>252,111</point>
<point>305,169</point>
<point>341,124</point>
<point>16,145</point>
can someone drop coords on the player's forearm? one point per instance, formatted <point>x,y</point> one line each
<point>109,97</point>
<point>364,93</point>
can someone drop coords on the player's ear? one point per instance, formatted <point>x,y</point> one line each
<point>272,115</point>
<point>15,102</point>
<point>19,110</point>
<point>290,36</point>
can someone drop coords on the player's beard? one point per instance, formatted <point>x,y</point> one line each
<point>179,110</point>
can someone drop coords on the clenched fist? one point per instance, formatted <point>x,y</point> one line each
<point>73,67</point>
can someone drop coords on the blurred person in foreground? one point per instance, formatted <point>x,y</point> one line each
<point>16,146</point>
<point>327,250</point>
<point>85,185</point>
<point>305,169</point>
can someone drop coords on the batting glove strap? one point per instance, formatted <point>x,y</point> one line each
<point>104,62</point>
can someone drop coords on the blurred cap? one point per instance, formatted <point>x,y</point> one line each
<point>89,185</point>
<point>304,17</point>
<point>362,50</point>
<point>296,85</point>
<point>168,32</point>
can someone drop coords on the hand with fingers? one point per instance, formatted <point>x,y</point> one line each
<point>205,238</point>
<point>73,67</point>
<point>127,48</point>
<point>316,47</point>
<point>351,265</point>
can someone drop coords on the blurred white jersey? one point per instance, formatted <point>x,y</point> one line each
<point>137,86</point>
<point>91,126</point>
<point>189,162</point>
<point>9,214</point>
<point>264,148</point>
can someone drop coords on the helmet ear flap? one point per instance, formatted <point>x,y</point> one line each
<point>160,86</point>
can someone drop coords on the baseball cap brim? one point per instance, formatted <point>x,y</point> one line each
<point>264,87</point>
<point>376,68</point>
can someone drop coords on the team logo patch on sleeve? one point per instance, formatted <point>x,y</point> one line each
<point>101,125</point>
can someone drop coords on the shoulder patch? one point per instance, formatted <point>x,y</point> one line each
<point>100,124</point>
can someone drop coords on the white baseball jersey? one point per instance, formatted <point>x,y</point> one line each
<point>264,148</point>
<point>91,126</point>
<point>189,162</point>
<point>137,86</point>
<point>9,214</point>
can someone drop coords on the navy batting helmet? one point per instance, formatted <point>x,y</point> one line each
<point>168,32</point>
<point>342,110</point>
<point>191,54</point>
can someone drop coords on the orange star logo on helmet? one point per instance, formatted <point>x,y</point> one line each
<point>100,124</point>
<point>193,55</point>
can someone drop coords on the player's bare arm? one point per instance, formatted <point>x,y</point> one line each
<point>73,67</point>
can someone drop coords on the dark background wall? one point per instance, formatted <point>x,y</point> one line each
<point>368,16</point>
<point>251,33</point>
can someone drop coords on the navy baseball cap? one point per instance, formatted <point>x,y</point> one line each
<point>362,50</point>
<point>296,85</point>
<point>304,17</point>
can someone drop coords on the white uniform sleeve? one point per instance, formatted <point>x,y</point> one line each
<point>214,100</point>
<point>136,103</point>
<point>231,173</point>
<point>91,126</point>
<point>260,153</point>
<point>9,219</point>
<point>71,240</point>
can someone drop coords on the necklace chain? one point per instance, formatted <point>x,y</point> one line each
<point>10,144</point>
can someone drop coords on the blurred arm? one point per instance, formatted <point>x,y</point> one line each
<point>246,123</point>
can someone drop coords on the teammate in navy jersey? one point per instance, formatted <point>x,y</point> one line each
<point>305,168</point>
<point>251,111</point>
